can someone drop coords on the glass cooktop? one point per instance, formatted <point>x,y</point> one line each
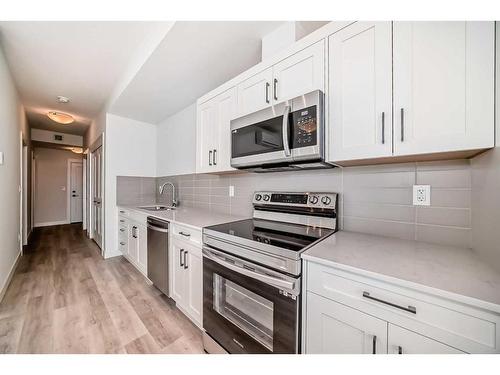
<point>288,236</point>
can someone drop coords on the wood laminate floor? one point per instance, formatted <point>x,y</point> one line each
<point>65,298</point>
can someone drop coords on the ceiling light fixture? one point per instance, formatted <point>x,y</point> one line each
<point>77,150</point>
<point>60,117</point>
<point>62,99</point>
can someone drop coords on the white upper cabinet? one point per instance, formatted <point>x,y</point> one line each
<point>300,73</point>
<point>255,93</point>
<point>360,87</point>
<point>213,151</point>
<point>443,86</point>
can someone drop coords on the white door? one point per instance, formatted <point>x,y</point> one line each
<point>178,275</point>
<point>443,86</point>
<point>226,109</point>
<point>96,191</point>
<point>25,214</point>
<point>76,192</point>
<point>360,87</point>
<point>195,284</point>
<point>333,328</point>
<point>206,136</point>
<point>403,341</point>
<point>255,93</point>
<point>300,73</point>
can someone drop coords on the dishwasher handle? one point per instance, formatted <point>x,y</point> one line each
<point>157,229</point>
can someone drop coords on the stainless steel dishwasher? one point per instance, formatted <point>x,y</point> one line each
<point>158,253</point>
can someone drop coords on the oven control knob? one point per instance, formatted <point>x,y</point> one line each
<point>258,197</point>
<point>326,200</point>
<point>313,199</point>
<point>266,197</point>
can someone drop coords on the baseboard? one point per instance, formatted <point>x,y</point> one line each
<point>51,223</point>
<point>9,277</point>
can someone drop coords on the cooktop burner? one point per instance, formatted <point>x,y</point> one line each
<point>294,237</point>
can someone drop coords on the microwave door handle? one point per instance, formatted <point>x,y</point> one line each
<point>286,145</point>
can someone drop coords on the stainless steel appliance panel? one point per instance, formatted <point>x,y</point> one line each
<point>158,253</point>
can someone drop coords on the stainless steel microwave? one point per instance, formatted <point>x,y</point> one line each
<point>286,136</point>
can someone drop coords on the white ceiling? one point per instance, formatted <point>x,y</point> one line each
<point>84,61</point>
<point>192,59</point>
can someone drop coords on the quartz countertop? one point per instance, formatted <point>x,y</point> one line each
<point>452,272</point>
<point>193,217</point>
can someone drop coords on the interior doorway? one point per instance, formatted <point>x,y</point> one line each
<point>75,191</point>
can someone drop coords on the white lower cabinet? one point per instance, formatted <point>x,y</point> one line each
<point>347,312</point>
<point>403,341</point>
<point>336,328</point>
<point>187,285</point>
<point>133,239</point>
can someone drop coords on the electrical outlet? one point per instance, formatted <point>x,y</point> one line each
<point>231,190</point>
<point>421,195</point>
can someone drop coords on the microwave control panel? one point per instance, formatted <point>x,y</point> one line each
<point>304,127</point>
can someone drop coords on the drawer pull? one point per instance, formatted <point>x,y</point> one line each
<point>122,243</point>
<point>185,234</point>
<point>122,221</point>
<point>410,309</point>
<point>122,230</point>
<point>122,212</point>
<point>400,350</point>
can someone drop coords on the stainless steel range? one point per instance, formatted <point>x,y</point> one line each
<point>252,272</point>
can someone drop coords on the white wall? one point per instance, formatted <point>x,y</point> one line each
<point>12,122</point>
<point>51,190</point>
<point>130,148</point>
<point>48,136</point>
<point>486,189</point>
<point>95,129</point>
<point>176,143</point>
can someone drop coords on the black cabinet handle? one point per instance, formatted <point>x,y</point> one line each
<point>374,344</point>
<point>383,127</point>
<point>267,92</point>
<point>402,125</point>
<point>215,157</point>
<point>180,258</point>
<point>275,89</point>
<point>210,157</point>
<point>185,234</point>
<point>410,309</point>
<point>400,350</point>
<point>185,260</point>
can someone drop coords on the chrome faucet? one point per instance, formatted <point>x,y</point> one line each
<point>162,189</point>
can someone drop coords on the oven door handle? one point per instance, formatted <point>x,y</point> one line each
<point>286,145</point>
<point>278,283</point>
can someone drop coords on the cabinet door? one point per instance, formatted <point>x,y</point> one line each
<point>443,86</point>
<point>206,132</point>
<point>300,73</point>
<point>360,66</point>
<point>403,341</point>
<point>178,292</point>
<point>333,328</point>
<point>142,257</point>
<point>133,243</point>
<point>226,111</point>
<point>255,93</point>
<point>195,285</point>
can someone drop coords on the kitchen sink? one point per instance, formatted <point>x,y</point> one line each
<point>157,208</point>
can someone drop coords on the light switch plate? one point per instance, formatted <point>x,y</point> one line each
<point>421,195</point>
<point>1,158</point>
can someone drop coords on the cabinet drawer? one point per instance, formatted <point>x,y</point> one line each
<point>186,233</point>
<point>463,326</point>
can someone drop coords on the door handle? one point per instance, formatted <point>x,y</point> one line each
<point>210,157</point>
<point>180,258</point>
<point>383,127</point>
<point>275,89</point>
<point>286,146</point>
<point>402,124</point>
<point>185,260</point>
<point>267,92</point>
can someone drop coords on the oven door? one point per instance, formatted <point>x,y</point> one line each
<point>248,308</point>
<point>262,137</point>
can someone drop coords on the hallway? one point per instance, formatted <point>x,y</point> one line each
<point>64,298</point>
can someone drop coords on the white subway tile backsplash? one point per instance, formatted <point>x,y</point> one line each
<point>456,217</point>
<point>395,229</point>
<point>444,235</point>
